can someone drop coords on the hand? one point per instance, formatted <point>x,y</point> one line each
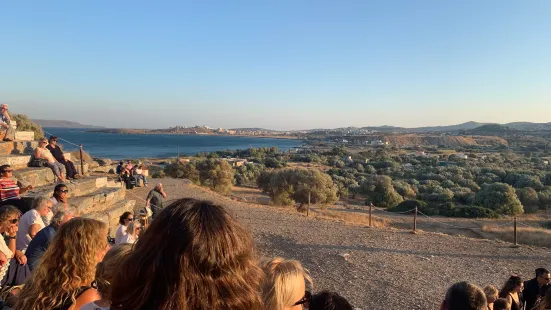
<point>29,187</point>
<point>21,258</point>
<point>12,231</point>
<point>5,125</point>
<point>3,260</point>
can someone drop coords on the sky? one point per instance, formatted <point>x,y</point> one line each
<point>277,64</point>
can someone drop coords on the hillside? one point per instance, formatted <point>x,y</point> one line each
<point>62,124</point>
<point>440,140</point>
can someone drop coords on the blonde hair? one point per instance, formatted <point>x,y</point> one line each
<point>491,292</point>
<point>280,285</point>
<point>107,268</point>
<point>72,256</point>
<point>131,229</point>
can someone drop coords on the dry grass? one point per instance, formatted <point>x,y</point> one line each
<point>353,218</point>
<point>525,235</point>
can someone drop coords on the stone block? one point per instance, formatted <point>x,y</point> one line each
<point>24,136</point>
<point>15,161</point>
<point>101,182</point>
<point>79,168</point>
<point>35,176</point>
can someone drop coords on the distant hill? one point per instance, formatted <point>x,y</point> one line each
<point>62,124</point>
<point>493,128</point>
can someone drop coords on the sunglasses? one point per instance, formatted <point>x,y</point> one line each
<point>8,171</point>
<point>129,219</point>
<point>64,190</point>
<point>13,221</point>
<point>305,301</point>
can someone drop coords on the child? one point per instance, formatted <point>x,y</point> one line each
<point>105,273</point>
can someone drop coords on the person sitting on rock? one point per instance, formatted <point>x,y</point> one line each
<point>129,165</point>
<point>10,190</point>
<point>120,168</point>
<point>5,123</point>
<point>138,174</point>
<point>464,296</point>
<point>42,152</point>
<point>128,179</point>
<point>70,170</point>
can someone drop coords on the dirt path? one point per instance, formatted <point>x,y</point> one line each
<point>386,268</point>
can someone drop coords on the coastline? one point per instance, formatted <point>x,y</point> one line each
<point>143,132</point>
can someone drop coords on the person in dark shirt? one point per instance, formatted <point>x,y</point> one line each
<point>71,171</point>
<point>42,240</point>
<point>120,168</point>
<point>536,288</point>
<point>154,200</point>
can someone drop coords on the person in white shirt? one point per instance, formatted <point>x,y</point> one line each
<point>125,219</point>
<point>138,174</point>
<point>31,222</point>
<point>132,233</point>
<point>9,216</point>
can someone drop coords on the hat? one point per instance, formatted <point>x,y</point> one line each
<point>53,138</point>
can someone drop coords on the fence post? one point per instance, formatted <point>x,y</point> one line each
<point>308,208</point>
<point>515,231</point>
<point>370,206</point>
<point>81,160</point>
<point>414,221</point>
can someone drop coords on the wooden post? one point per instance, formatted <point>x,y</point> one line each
<point>415,221</point>
<point>370,206</point>
<point>308,208</point>
<point>515,231</point>
<point>81,160</point>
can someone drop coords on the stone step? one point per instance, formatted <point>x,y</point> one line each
<point>111,215</point>
<point>35,176</point>
<point>15,161</point>
<point>77,188</point>
<point>24,135</point>
<point>98,200</point>
<point>17,147</point>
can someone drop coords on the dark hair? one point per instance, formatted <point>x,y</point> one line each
<point>510,285</point>
<point>326,300</point>
<point>193,256</point>
<point>59,187</point>
<point>541,272</point>
<point>3,168</point>
<point>465,296</point>
<point>123,217</point>
<point>501,304</point>
<point>121,162</point>
<point>545,302</point>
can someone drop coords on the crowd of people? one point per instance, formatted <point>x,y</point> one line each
<point>131,174</point>
<point>515,294</point>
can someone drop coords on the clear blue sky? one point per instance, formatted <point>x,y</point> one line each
<point>277,64</point>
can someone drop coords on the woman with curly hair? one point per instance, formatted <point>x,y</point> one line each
<point>73,255</point>
<point>193,256</point>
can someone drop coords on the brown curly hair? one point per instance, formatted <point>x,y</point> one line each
<point>194,256</point>
<point>68,263</point>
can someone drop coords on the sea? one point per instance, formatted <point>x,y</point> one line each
<point>127,146</point>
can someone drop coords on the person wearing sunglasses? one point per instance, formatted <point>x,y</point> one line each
<point>9,218</point>
<point>284,287</point>
<point>535,289</point>
<point>41,152</point>
<point>125,219</point>
<point>11,190</point>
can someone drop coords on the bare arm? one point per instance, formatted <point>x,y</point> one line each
<point>37,153</point>
<point>33,230</point>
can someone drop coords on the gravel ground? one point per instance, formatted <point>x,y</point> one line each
<point>386,268</point>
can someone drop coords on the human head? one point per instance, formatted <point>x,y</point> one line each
<point>543,276</point>
<point>134,228</point>
<point>502,304</point>
<point>464,296</point>
<point>326,300</point>
<point>126,218</point>
<point>159,187</point>
<point>77,247</point>
<point>61,217</point>
<point>42,142</point>
<point>52,140</point>
<point>9,217</point>
<point>284,285</point>
<point>491,293</point>
<point>121,163</point>
<point>190,244</point>
<point>42,205</point>
<point>61,191</point>
<point>106,269</point>
<point>3,107</point>
<point>6,171</point>
<point>513,285</point>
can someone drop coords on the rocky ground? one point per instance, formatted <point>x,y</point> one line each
<point>385,268</point>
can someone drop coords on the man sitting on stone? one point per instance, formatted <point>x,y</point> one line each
<point>5,123</point>
<point>56,151</point>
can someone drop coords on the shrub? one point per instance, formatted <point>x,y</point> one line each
<point>25,124</point>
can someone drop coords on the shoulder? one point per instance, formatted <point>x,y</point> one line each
<point>88,296</point>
